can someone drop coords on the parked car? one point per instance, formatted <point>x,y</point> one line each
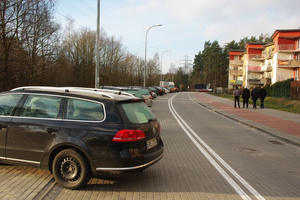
<point>166,90</point>
<point>141,94</point>
<point>77,134</point>
<point>154,95</point>
<point>160,91</point>
<point>132,90</point>
<point>153,91</point>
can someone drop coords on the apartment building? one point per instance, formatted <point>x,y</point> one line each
<point>235,68</point>
<point>266,63</point>
<point>286,54</point>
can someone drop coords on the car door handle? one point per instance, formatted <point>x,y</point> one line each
<point>2,126</point>
<point>51,130</point>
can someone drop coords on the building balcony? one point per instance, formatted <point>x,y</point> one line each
<point>236,82</point>
<point>269,68</point>
<point>254,69</point>
<point>266,80</point>
<point>268,55</point>
<point>287,48</point>
<point>236,62</point>
<point>256,57</point>
<point>288,63</point>
<point>255,81</point>
<point>236,72</point>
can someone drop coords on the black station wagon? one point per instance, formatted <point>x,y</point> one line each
<point>77,134</point>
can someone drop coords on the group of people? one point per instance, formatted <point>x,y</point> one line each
<point>255,95</point>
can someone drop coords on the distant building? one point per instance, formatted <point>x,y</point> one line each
<point>286,54</point>
<point>235,69</point>
<point>266,63</point>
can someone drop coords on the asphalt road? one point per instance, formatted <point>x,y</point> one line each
<point>207,156</point>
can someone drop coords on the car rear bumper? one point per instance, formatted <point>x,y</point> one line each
<point>129,166</point>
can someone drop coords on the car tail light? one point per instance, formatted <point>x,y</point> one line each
<point>135,100</point>
<point>126,135</point>
<point>151,97</point>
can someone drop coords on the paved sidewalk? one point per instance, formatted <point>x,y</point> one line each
<point>280,124</point>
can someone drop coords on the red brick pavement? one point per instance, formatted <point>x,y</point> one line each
<point>290,127</point>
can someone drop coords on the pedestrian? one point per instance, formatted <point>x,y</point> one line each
<point>246,96</point>
<point>254,95</point>
<point>237,94</point>
<point>262,95</point>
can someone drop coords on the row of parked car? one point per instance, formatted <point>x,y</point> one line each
<point>146,93</point>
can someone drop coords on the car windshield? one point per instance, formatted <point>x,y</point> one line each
<point>138,112</point>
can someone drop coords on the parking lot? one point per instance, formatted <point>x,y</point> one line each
<point>184,172</point>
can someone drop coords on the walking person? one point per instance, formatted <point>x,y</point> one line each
<point>262,95</point>
<point>245,96</point>
<point>254,95</point>
<point>237,93</point>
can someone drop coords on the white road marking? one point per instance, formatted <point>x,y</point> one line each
<point>200,144</point>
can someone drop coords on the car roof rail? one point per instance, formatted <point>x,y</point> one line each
<point>62,89</point>
<point>111,91</point>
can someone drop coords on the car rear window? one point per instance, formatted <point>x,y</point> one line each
<point>138,112</point>
<point>84,110</point>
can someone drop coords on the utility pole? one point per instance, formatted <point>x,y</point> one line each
<point>186,64</point>
<point>97,47</point>
<point>186,70</point>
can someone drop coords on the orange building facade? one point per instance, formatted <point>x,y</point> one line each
<point>266,63</point>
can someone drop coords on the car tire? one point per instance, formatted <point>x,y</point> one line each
<point>70,169</point>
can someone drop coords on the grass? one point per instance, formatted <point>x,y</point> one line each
<point>283,104</point>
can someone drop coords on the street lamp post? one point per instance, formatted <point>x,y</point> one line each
<point>97,47</point>
<point>161,63</point>
<point>146,53</point>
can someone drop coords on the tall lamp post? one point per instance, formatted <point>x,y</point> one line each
<point>161,63</point>
<point>146,53</point>
<point>97,47</point>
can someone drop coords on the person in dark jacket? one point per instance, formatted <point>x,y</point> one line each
<point>262,95</point>
<point>254,95</point>
<point>236,94</point>
<point>246,96</point>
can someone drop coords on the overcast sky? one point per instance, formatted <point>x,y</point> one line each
<point>186,24</point>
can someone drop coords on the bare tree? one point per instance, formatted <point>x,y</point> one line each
<point>12,15</point>
<point>80,52</point>
<point>39,38</point>
<point>153,71</point>
<point>27,41</point>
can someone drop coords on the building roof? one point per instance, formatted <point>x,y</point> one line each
<point>287,31</point>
